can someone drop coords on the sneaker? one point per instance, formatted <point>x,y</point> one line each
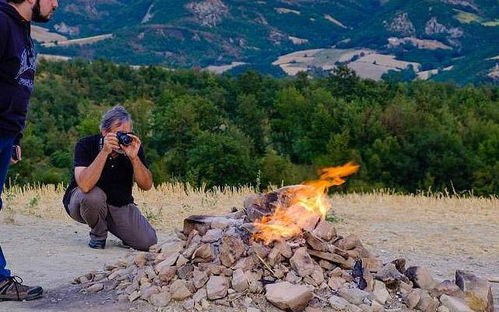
<point>96,244</point>
<point>13,289</point>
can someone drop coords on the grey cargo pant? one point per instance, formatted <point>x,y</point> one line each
<point>125,222</point>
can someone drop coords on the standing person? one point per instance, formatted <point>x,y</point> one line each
<point>17,73</point>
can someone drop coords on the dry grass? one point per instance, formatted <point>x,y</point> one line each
<point>165,206</point>
<point>447,225</point>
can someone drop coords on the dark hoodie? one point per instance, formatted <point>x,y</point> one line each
<point>17,70</point>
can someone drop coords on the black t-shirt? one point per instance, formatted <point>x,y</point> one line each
<point>116,179</point>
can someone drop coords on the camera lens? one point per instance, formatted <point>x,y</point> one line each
<point>124,138</point>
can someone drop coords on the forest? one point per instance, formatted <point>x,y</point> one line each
<point>253,129</point>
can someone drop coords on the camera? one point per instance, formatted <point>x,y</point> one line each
<point>123,138</point>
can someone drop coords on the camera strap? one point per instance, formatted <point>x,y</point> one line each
<point>101,143</point>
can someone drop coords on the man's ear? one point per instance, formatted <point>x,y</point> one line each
<point>31,3</point>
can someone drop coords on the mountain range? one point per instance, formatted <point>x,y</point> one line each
<point>442,40</point>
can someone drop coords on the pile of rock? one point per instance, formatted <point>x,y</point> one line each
<point>214,260</point>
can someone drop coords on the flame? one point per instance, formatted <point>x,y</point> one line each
<point>306,205</point>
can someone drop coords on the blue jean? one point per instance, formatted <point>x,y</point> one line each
<point>6,142</point>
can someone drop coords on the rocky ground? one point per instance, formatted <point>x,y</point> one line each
<point>52,253</point>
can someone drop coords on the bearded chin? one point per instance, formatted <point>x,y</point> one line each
<point>37,14</point>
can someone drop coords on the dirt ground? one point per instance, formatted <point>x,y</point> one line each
<point>441,234</point>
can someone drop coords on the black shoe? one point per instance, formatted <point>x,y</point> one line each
<point>13,289</point>
<point>97,244</point>
<point>125,245</point>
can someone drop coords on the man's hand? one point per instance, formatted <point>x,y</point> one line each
<point>132,150</point>
<point>110,143</point>
<point>19,156</point>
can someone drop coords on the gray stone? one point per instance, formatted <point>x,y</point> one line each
<point>285,295</point>
<point>192,244</point>
<point>390,275</point>
<point>239,281</point>
<point>338,303</point>
<point>149,271</point>
<point>244,264</point>
<point>324,230</point>
<point>349,242</point>
<point>283,249</point>
<point>140,259</point>
<point>420,277</point>
<point>315,242</point>
<point>377,307</point>
<point>231,249</point>
<point>336,282</point>
<point>148,292</point>
<point>354,295</point>
<point>134,296</point>
<point>447,288</point>
<point>259,249</point>
<point>274,257</point>
<point>212,235</point>
<point>188,305</point>
<point>318,275</point>
<point>411,300</point>
<point>380,293</point>
<point>326,265</point>
<point>443,308</point>
<point>181,261</point>
<point>204,253</point>
<point>161,299</point>
<point>302,263</point>
<point>335,258</point>
<point>427,303</point>
<point>115,274</point>
<point>167,273</point>
<point>292,277</point>
<point>167,262</point>
<point>366,308</point>
<point>199,295</point>
<point>354,308</point>
<point>170,248</point>
<point>217,287</point>
<point>95,288</point>
<point>455,304</point>
<point>477,291</point>
<point>185,271</point>
<point>400,264</point>
<point>221,222</point>
<point>199,278</point>
<point>179,290</point>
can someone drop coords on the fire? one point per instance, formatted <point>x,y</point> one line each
<point>307,204</point>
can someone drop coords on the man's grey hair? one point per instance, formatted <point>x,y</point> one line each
<point>116,114</point>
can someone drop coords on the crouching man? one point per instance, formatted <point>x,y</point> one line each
<point>100,193</point>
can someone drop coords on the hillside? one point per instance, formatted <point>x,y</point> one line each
<point>436,34</point>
